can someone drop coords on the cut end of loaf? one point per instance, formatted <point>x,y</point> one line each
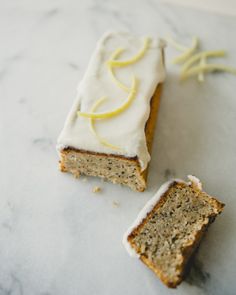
<point>116,169</point>
<point>172,230</point>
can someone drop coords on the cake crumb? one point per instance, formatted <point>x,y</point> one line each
<point>76,175</point>
<point>97,189</point>
<point>84,179</point>
<point>115,204</point>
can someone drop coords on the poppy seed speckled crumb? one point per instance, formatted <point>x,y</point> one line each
<point>172,230</point>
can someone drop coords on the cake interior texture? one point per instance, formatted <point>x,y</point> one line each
<point>171,232</point>
<point>114,168</point>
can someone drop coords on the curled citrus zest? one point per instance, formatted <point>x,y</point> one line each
<point>197,56</point>
<point>207,68</point>
<point>202,63</point>
<point>138,56</point>
<point>175,44</point>
<point>92,121</point>
<point>115,55</point>
<point>118,83</point>
<point>116,111</point>
<point>187,52</point>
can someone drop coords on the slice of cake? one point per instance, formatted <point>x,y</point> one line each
<point>170,227</point>
<point>109,130</point>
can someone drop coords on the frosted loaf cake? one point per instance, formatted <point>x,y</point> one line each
<point>109,130</point>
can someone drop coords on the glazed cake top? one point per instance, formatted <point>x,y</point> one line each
<point>125,130</point>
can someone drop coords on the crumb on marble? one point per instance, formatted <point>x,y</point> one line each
<point>97,189</point>
<point>115,204</point>
<point>76,175</point>
<point>73,65</point>
<point>85,179</point>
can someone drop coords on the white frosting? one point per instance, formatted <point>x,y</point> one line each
<point>195,181</point>
<point>148,208</point>
<point>125,130</point>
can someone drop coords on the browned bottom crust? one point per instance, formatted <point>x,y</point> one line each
<point>114,168</point>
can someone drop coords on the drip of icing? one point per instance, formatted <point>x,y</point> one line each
<point>150,205</point>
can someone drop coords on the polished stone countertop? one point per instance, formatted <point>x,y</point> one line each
<point>56,236</point>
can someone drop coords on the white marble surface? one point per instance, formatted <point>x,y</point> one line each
<point>227,7</point>
<point>56,236</point>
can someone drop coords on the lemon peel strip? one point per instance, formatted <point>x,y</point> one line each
<point>92,127</point>
<point>138,56</point>
<point>207,68</point>
<point>117,82</point>
<point>115,55</point>
<point>197,56</point>
<point>202,63</point>
<point>188,52</point>
<point>175,44</point>
<point>116,111</point>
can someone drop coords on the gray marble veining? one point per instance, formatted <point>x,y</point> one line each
<point>56,236</point>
